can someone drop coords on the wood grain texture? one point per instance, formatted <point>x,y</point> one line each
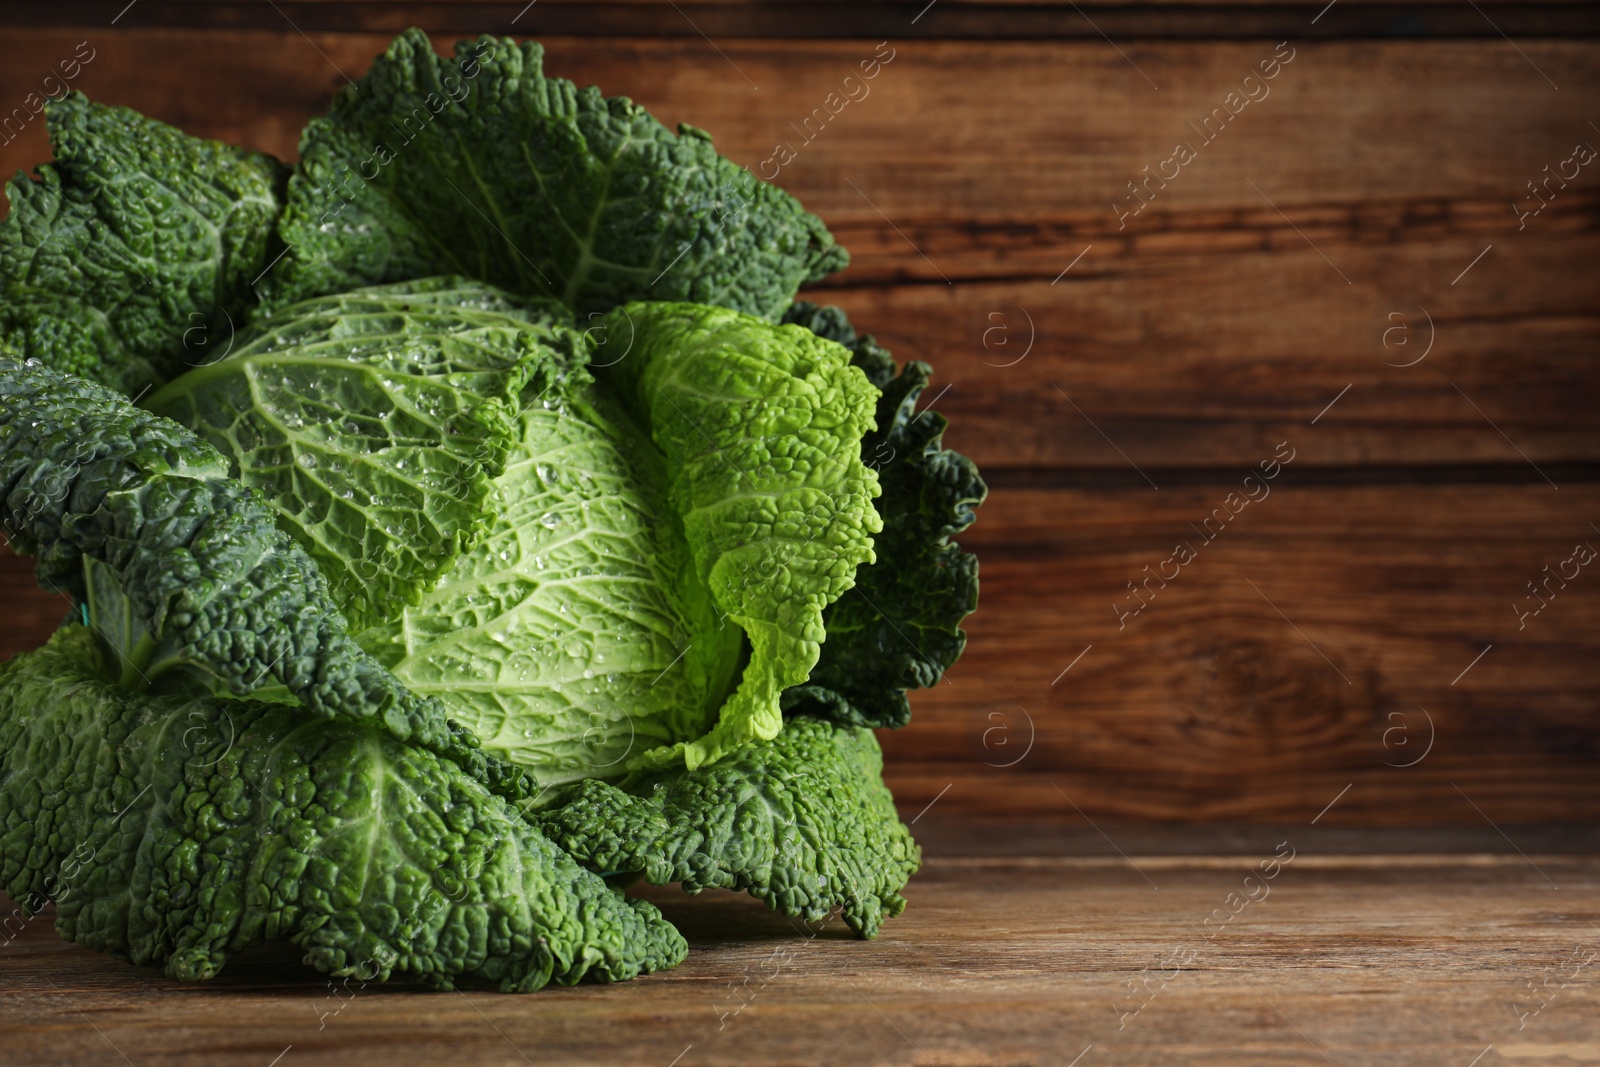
<point>1356,960</point>
<point>968,132</point>
<point>1189,359</point>
<point>1314,643</point>
<point>794,19</point>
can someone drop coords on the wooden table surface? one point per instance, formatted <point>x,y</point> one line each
<point>1456,950</point>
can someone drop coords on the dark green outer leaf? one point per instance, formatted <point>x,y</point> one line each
<point>83,472</point>
<point>132,256</point>
<point>479,165</point>
<point>179,832</point>
<point>803,822</point>
<point>899,627</point>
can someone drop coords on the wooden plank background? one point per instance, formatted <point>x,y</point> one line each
<point>790,19</point>
<point>1116,378</point>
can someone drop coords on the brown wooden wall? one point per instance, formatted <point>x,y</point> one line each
<point>1339,274</point>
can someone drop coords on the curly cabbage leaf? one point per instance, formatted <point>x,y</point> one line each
<point>760,427</point>
<point>574,635</point>
<point>86,476</point>
<point>480,165</point>
<point>898,628</point>
<point>180,832</point>
<point>802,821</point>
<point>132,256</point>
<point>374,423</point>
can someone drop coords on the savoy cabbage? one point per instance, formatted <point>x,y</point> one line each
<point>457,524</point>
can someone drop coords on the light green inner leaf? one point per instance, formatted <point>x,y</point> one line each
<point>761,428</point>
<point>573,636</point>
<point>374,423</point>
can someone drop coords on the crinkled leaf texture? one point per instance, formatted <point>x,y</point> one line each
<point>802,821</point>
<point>179,832</point>
<point>374,422</point>
<point>707,487</point>
<point>760,427</point>
<point>574,635</point>
<point>86,476</point>
<point>480,165</point>
<point>899,627</point>
<point>132,256</point>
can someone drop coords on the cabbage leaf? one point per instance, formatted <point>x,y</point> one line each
<point>374,423</point>
<point>574,635</point>
<point>760,427</point>
<point>180,831</point>
<point>132,256</point>
<point>802,822</point>
<point>480,165</point>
